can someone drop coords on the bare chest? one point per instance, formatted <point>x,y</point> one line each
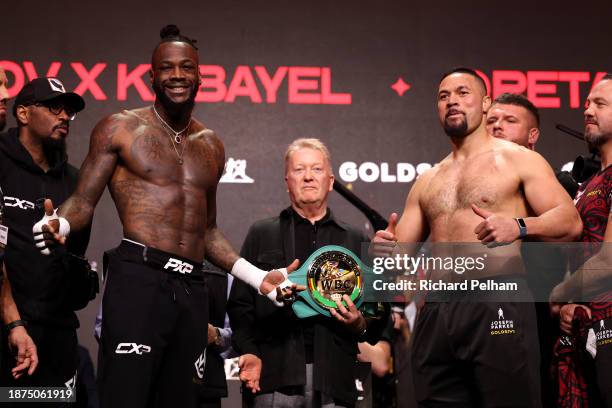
<point>157,159</point>
<point>485,182</point>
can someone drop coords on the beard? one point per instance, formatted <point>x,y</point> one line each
<point>168,103</point>
<point>458,130</point>
<point>597,139</point>
<point>55,150</point>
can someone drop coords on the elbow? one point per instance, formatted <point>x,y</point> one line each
<point>576,230</point>
<point>571,231</point>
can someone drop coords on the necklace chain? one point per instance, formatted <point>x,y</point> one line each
<point>177,139</point>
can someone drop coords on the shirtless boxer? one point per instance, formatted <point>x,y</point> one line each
<point>474,195</point>
<point>162,168</point>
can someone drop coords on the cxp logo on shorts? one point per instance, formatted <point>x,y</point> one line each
<point>502,325</point>
<point>176,265</point>
<point>132,348</point>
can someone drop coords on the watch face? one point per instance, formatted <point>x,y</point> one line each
<point>521,222</point>
<point>332,275</point>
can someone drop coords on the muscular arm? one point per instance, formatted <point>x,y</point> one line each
<point>556,217</point>
<point>593,277</point>
<point>218,249</point>
<point>412,226</point>
<point>94,174</point>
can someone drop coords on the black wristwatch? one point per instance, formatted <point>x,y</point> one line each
<point>14,324</point>
<point>522,227</point>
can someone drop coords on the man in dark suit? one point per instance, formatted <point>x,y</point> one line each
<point>286,361</point>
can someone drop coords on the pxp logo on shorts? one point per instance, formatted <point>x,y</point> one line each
<point>200,364</point>
<point>603,334</point>
<point>56,85</point>
<point>176,265</point>
<point>132,348</point>
<point>501,325</point>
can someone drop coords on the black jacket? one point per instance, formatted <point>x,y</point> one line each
<point>275,335</point>
<point>39,283</point>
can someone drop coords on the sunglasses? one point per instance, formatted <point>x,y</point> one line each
<point>56,107</point>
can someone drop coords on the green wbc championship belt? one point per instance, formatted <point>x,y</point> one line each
<point>329,273</point>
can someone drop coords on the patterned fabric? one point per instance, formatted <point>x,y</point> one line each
<point>593,202</point>
<point>568,365</point>
<point>573,368</point>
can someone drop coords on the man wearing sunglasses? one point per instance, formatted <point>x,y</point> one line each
<point>33,165</point>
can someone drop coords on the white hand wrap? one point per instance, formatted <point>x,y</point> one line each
<point>249,273</point>
<point>64,231</point>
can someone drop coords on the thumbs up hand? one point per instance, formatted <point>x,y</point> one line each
<point>50,230</point>
<point>495,230</point>
<point>385,240</point>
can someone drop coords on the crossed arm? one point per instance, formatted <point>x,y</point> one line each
<point>593,277</point>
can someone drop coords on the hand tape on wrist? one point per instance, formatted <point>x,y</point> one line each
<point>253,276</point>
<point>248,273</point>
<point>64,230</point>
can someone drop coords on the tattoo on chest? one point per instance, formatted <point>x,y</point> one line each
<point>148,146</point>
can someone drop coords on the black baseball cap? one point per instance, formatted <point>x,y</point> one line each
<point>44,90</point>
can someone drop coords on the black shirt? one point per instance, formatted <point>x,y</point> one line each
<point>39,283</point>
<point>307,238</point>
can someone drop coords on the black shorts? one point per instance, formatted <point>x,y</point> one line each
<point>476,354</point>
<point>154,329</point>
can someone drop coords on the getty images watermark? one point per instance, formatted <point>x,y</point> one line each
<point>521,272</point>
<point>411,265</point>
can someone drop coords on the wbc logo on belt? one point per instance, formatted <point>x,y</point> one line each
<point>176,265</point>
<point>331,275</point>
